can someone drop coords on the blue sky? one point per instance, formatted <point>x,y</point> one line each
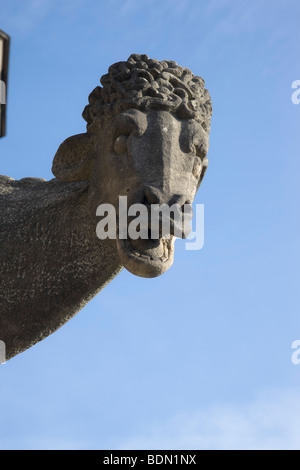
<point>200,357</point>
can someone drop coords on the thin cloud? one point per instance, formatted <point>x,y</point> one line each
<point>25,16</point>
<point>270,422</point>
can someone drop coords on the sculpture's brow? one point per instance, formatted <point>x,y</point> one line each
<point>126,118</point>
<point>193,125</point>
<point>125,121</point>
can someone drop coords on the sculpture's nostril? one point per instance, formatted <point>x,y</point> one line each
<point>151,196</point>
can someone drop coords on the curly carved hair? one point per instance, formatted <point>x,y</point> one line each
<point>143,83</point>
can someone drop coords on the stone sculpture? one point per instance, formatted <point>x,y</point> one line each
<point>147,139</point>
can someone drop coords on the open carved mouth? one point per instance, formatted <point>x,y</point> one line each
<point>147,258</point>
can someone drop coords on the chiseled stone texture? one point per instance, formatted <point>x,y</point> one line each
<point>52,262</point>
<point>147,139</point>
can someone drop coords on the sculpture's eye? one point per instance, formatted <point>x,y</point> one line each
<point>197,148</point>
<point>120,145</point>
<point>197,167</point>
<point>192,148</point>
<point>201,149</point>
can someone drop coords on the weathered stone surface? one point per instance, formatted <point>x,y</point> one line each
<point>147,139</point>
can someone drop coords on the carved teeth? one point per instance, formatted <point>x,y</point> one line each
<point>162,258</point>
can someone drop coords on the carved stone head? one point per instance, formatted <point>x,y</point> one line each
<point>147,139</point>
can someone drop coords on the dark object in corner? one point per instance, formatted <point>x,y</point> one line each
<point>4,54</point>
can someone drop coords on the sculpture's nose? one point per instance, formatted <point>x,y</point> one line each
<point>173,213</point>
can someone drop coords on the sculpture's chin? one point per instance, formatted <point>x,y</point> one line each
<point>146,258</point>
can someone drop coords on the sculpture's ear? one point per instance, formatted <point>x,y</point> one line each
<point>74,158</point>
